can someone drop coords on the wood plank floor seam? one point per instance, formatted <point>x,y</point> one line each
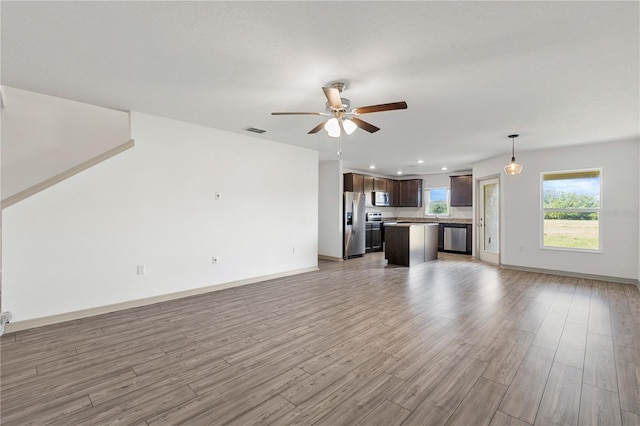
<point>454,341</point>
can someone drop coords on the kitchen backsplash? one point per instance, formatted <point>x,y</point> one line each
<point>406,213</point>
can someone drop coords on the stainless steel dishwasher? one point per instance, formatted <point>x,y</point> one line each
<point>455,239</point>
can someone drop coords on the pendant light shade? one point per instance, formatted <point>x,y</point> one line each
<point>349,126</point>
<point>332,127</point>
<point>513,168</point>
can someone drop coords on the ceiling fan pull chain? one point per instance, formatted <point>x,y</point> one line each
<point>339,153</point>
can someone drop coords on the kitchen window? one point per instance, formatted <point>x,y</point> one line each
<point>571,203</point>
<point>437,202</point>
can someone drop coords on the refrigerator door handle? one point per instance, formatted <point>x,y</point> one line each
<point>354,208</point>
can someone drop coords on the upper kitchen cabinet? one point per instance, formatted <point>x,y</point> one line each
<point>353,182</point>
<point>402,193</point>
<point>410,193</point>
<point>393,190</point>
<point>380,184</point>
<point>461,191</point>
<point>368,190</point>
<point>368,184</point>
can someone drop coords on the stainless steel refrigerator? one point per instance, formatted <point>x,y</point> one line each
<point>354,225</point>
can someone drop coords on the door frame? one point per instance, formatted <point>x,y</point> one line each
<point>479,230</point>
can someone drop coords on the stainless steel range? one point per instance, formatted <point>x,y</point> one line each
<point>373,240</point>
<point>374,217</point>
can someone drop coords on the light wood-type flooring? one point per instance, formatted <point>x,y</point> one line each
<point>454,341</point>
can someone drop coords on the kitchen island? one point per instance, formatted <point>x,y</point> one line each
<point>409,244</point>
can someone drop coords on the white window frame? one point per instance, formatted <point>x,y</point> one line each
<point>428,202</point>
<point>598,210</point>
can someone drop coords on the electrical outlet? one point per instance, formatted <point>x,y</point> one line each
<point>214,260</point>
<point>142,269</point>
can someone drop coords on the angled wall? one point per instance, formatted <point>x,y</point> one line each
<point>77,245</point>
<point>43,136</point>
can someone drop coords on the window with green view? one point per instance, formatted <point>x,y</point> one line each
<point>571,209</point>
<point>437,202</point>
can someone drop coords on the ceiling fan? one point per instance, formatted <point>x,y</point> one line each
<point>341,116</point>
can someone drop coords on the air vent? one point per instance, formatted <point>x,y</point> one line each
<point>254,130</point>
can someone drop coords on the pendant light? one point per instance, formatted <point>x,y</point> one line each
<point>513,168</point>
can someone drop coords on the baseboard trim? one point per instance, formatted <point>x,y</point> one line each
<point>574,274</point>
<point>13,327</point>
<point>331,258</point>
<point>32,190</point>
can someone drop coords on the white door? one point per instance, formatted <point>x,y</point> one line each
<point>489,221</point>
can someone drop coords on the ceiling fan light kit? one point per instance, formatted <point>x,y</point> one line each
<point>349,126</point>
<point>332,126</point>
<point>513,168</point>
<point>342,116</point>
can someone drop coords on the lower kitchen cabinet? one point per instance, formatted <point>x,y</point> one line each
<point>373,237</point>
<point>409,244</point>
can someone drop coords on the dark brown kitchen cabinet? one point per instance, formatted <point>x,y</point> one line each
<point>380,184</point>
<point>402,193</point>
<point>353,182</point>
<point>368,185</point>
<point>392,189</point>
<point>461,191</point>
<point>410,193</point>
<point>373,237</point>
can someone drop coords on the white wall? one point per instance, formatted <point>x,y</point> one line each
<point>330,188</point>
<point>43,136</point>
<point>76,245</point>
<point>520,208</point>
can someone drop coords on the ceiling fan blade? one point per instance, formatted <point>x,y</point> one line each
<point>364,125</point>
<point>333,97</point>
<point>317,128</point>
<point>296,113</point>
<point>379,108</point>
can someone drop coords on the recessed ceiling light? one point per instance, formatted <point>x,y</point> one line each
<point>372,166</point>
<point>420,161</point>
<point>398,172</point>
<point>444,168</point>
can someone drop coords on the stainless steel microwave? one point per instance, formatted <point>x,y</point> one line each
<point>381,199</point>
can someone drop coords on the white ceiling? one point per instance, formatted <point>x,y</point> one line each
<point>557,73</point>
